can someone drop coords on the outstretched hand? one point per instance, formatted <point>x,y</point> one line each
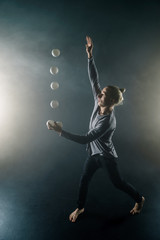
<point>55,127</point>
<point>89,46</point>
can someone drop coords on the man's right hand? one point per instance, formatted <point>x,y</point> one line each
<point>89,46</point>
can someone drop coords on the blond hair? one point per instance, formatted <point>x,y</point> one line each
<point>116,94</point>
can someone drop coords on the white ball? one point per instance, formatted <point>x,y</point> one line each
<point>54,85</point>
<point>54,70</point>
<point>55,52</point>
<point>54,104</point>
<point>50,122</point>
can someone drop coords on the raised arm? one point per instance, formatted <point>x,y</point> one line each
<point>92,70</point>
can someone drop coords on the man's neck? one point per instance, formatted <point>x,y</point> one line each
<point>106,110</point>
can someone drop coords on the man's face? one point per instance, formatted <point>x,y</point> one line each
<point>104,98</point>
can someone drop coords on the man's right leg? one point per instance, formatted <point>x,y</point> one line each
<point>89,169</point>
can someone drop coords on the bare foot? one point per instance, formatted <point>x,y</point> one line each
<point>74,215</point>
<point>138,207</point>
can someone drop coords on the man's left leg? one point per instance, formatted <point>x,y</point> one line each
<point>114,174</point>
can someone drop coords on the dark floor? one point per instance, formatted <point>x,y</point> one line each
<point>36,199</point>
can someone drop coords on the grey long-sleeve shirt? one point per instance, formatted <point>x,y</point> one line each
<point>101,127</point>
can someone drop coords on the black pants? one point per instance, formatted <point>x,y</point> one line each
<point>110,164</point>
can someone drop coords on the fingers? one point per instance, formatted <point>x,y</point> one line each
<point>57,127</point>
<point>56,124</point>
<point>50,126</point>
<point>71,217</point>
<point>89,41</point>
<point>134,212</point>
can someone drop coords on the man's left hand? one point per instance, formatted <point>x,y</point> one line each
<point>56,127</point>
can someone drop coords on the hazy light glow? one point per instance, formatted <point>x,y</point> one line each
<point>5,101</point>
<point>18,102</point>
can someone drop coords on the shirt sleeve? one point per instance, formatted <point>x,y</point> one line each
<point>94,78</point>
<point>92,135</point>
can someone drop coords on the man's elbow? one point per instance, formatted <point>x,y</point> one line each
<point>87,140</point>
<point>84,142</point>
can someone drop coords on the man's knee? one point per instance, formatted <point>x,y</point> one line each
<point>85,179</point>
<point>120,184</point>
